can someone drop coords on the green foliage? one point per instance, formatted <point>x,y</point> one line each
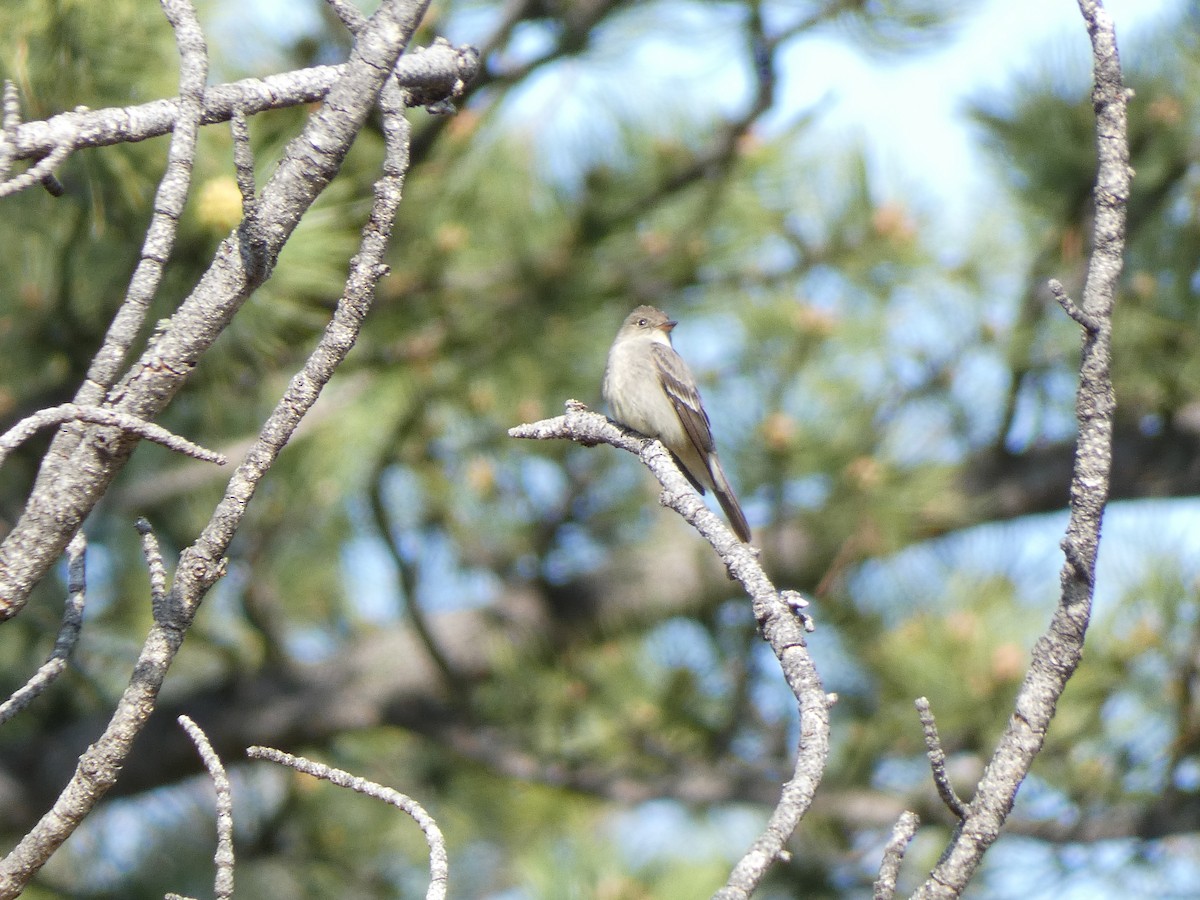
<point>852,376</point>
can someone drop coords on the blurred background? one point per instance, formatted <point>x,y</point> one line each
<point>852,209</point>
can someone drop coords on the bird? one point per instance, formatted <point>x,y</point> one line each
<point>650,389</point>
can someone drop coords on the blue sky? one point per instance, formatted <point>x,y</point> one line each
<point>909,110</point>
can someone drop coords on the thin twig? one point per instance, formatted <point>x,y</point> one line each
<point>893,855</point>
<point>68,632</point>
<point>169,200</point>
<point>155,566</point>
<point>71,412</point>
<point>223,858</point>
<point>38,172</point>
<point>251,238</point>
<point>438,68</point>
<point>781,620</point>
<point>10,122</point>
<point>1060,295</point>
<point>937,759</point>
<point>439,866</point>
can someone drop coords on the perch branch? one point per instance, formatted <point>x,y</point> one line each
<point>778,616</point>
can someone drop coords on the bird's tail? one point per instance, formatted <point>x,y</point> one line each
<point>729,502</point>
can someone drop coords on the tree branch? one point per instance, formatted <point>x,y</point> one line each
<point>168,205</point>
<point>782,626</point>
<point>310,162</point>
<point>97,415</point>
<point>437,71</point>
<point>937,759</point>
<point>223,858</point>
<point>78,469</point>
<point>68,632</point>
<point>1058,651</point>
<point>439,866</point>
<point>893,855</point>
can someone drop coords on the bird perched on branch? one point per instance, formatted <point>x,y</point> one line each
<point>650,389</point>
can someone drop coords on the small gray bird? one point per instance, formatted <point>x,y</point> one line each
<point>650,389</point>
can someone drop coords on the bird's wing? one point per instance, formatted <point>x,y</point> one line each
<point>681,389</point>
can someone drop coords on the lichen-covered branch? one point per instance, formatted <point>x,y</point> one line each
<point>781,622</point>
<point>223,857</point>
<point>433,71</point>
<point>84,472</point>
<point>893,855</point>
<point>1058,651</point>
<point>439,865</point>
<point>98,415</point>
<point>937,759</point>
<point>169,201</point>
<point>68,633</point>
<point>81,463</point>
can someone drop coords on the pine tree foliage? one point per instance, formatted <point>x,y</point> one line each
<point>895,424</point>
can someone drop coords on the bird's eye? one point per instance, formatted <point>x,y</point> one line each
<point>642,323</point>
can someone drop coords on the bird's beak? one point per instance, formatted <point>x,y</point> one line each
<point>668,325</point>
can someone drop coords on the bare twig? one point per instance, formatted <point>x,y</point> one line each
<point>1060,295</point>
<point>937,759</point>
<point>68,632</point>
<point>782,625</point>
<point>168,205</point>
<point>154,564</point>
<point>1057,653</point>
<point>96,415</point>
<point>893,855</point>
<point>250,232</point>
<point>223,858</point>
<point>38,173</point>
<point>439,68</point>
<point>11,120</point>
<point>439,867</point>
